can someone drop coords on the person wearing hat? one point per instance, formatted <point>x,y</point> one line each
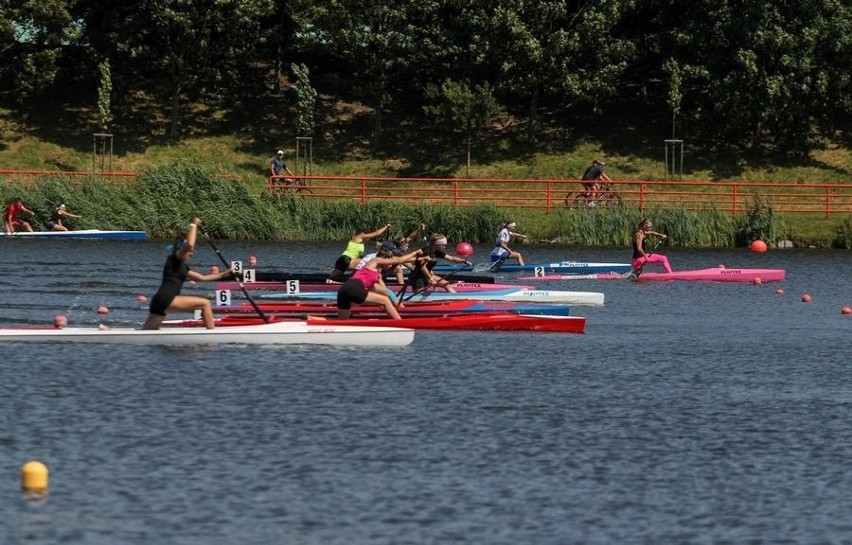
<point>354,251</point>
<point>277,169</point>
<point>55,221</point>
<point>502,252</point>
<point>641,254</point>
<point>591,180</point>
<point>366,286</point>
<point>422,275</point>
<point>11,219</point>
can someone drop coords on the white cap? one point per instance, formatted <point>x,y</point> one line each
<point>62,207</point>
<point>280,152</point>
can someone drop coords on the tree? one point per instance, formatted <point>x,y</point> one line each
<point>306,99</point>
<point>463,107</point>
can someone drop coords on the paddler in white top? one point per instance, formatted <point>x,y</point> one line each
<point>502,251</point>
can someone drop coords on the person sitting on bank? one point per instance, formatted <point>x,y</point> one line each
<point>11,216</point>
<point>55,221</point>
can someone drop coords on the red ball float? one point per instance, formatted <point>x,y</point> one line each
<point>806,298</point>
<point>758,246</point>
<point>464,249</point>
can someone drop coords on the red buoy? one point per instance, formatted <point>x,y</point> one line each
<point>464,249</point>
<point>846,310</point>
<point>103,310</point>
<point>252,261</point>
<point>142,298</point>
<point>806,298</point>
<point>758,246</point>
<point>60,321</point>
<point>757,281</point>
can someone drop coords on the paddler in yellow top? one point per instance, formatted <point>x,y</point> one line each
<point>354,251</point>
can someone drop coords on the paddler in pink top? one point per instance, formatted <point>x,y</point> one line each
<point>641,254</point>
<point>366,286</point>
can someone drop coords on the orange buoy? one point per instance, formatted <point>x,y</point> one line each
<point>758,246</point>
<point>779,291</point>
<point>756,281</point>
<point>252,261</point>
<point>846,310</point>
<point>214,269</point>
<point>142,298</point>
<point>103,310</point>
<point>60,321</point>
<point>806,298</point>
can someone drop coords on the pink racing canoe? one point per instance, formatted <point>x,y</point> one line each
<point>314,287</point>
<point>713,274</point>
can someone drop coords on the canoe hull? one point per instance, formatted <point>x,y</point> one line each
<point>510,295</point>
<point>563,267</point>
<point>492,321</point>
<point>302,308</point>
<point>713,274</point>
<point>82,234</point>
<point>276,333</point>
<point>320,278</point>
<point>461,287</point>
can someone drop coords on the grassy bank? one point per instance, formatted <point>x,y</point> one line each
<point>164,198</point>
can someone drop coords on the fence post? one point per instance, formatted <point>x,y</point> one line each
<point>363,191</point>
<point>455,193</point>
<point>734,188</point>
<point>827,202</point>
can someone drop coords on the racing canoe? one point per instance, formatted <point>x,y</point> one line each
<point>84,233</point>
<point>303,308</point>
<point>490,321</point>
<point>334,286</point>
<point>275,332</point>
<point>320,278</point>
<point>509,295</point>
<point>564,267</point>
<point>713,274</point>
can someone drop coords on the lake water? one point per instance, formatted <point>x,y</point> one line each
<point>687,413</point>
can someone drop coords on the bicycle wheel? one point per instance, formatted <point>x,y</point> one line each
<point>304,191</point>
<point>611,199</point>
<point>576,200</point>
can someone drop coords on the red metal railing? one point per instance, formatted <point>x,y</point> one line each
<point>550,195</point>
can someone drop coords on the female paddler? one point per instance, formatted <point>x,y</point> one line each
<point>354,251</point>
<point>502,251</point>
<point>421,276</point>
<point>366,286</point>
<point>175,273</point>
<point>641,254</point>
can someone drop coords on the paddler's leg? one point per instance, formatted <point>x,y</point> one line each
<point>383,301</point>
<point>191,303</point>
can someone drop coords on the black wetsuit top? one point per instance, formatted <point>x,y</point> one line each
<point>175,273</point>
<point>636,252</point>
<point>416,278</point>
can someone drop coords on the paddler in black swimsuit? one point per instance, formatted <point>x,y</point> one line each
<point>175,273</point>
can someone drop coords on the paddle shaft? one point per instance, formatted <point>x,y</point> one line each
<point>240,282</point>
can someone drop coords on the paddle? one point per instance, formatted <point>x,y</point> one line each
<point>458,269</point>
<point>240,282</point>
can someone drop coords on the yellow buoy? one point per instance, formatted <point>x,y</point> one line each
<point>34,476</point>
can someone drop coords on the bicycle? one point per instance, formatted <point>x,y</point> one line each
<point>606,198</point>
<point>291,186</point>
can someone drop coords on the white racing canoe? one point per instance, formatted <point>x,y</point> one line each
<point>588,298</point>
<point>271,333</point>
<point>83,233</point>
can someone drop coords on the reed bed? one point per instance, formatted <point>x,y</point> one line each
<point>163,199</point>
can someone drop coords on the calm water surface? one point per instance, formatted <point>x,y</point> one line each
<point>687,413</point>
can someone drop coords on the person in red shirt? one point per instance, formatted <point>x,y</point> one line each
<point>11,219</point>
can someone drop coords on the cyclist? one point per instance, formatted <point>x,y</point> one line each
<point>591,181</point>
<point>277,168</point>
